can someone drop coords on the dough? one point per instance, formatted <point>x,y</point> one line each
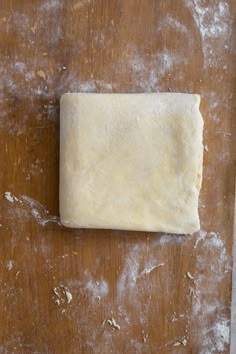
<point>131,161</point>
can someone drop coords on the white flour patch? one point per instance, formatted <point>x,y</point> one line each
<point>224,157</point>
<point>173,23</point>
<point>10,197</point>
<point>51,5</point>
<point>212,266</point>
<point>171,239</point>
<point>19,79</point>
<point>148,72</point>
<point>25,206</point>
<point>221,335</point>
<point>36,87</point>
<point>49,18</point>
<point>39,212</point>
<point>30,75</point>
<point>104,87</point>
<point>216,338</point>
<point>214,24</point>
<point>72,83</point>
<point>131,286</point>
<point>75,85</point>
<point>201,236</point>
<point>93,288</point>
<point>134,283</point>
<point>129,274</point>
<point>168,61</point>
<point>19,67</point>
<point>10,264</point>
<point>136,265</point>
<point>148,269</point>
<point>214,103</point>
<point>212,269</point>
<point>18,21</point>
<point>97,289</point>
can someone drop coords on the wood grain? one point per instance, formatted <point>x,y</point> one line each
<point>51,47</point>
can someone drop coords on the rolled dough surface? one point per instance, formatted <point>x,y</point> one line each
<point>131,161</point>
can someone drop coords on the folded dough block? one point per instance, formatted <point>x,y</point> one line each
<point>131,161</point>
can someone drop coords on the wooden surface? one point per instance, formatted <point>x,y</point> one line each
<point>233,303</point>
<point>51,47</point>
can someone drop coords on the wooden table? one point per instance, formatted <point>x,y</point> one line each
<point>132,292</point>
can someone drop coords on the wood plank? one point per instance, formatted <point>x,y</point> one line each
<point>49,47</point>
<point>233,303</point>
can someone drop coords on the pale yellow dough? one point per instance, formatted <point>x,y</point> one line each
<point>131,161</point>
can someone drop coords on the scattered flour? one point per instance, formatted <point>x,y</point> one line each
<point>205,307</point>
<point>149,73</point>
<point>171,239</point>
<point>10,197</point>
<point>215,103</point>
<point>97,289</point>
<point>214,24</point>
<point>221,334</point>
<point>10,264</point>
<point>18,20</point>
<point>173,23</point>
<point>212,267</point>
<point>39,212</point>
<point>149,269</point>
<point>26,206</point>
<point>129,274</point>
<point>41,84</point>
<point>201,236</point>
<point>51,5</point>
<point>20,66</point>
<point>216,339</point>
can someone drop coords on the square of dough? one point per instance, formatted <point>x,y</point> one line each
<point>131,161</point>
